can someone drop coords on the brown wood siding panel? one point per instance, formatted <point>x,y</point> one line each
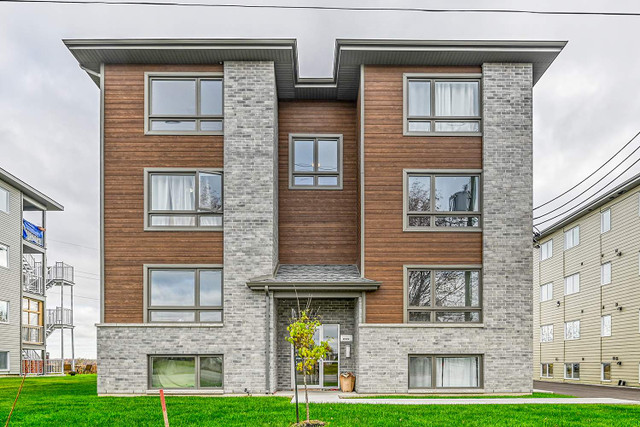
<point>316,226</point>
<point>127,151</point>
<point>387,153</point>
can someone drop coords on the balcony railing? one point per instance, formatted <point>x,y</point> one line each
<point>32,233</point>
<point>60,316</point>
<point>60,271</point>
<point>32,280</point>
<point>32,334</point>
<point>55,366</point>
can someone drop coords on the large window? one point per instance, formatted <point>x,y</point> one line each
<point>605,221</point>
<point>572,284</point>
<point>571,371</point>
<point>546,370</point>
<point>444,371</point>
<point>183,199</point>
<point>443,296</point>
<point>32,321</point>
<point>315,162</point>
<point>184,295</point>
<point>546,333</point>
<point>4,256</point>
<point>546,250</point>
<point>176,372</point>
<point>183,104</point>
<point>605,273</point>
<point>435,200</point>
<point>4,360</point>
<point>4,311</point>
<point>4,200</point>
<point>572,237</point>
<point>605,326</point>
<point>572,330</point>
<point>441,105</point>
<point>546,292</point>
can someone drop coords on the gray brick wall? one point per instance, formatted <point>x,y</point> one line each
<point>250,227</point>
<point>342,311</point>
<point>505,341</point>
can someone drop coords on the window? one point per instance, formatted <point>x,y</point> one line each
<point>315,162</point>
<point>571,371</point>
<point>546,370</point>
<point>183,199</point>
<point>546,250</point>
<point>606,372</point>
<point>184,104</point>
<point>546,292</point>
<point>605,273</point>
<point>175,372</point>
<point>4,256</point>
<point>32,321</point>
<point>572,284</point>
<point>4,360</point>
<point>4,311</point>
<point>434,200</point>
<point>448,371</point>
<point>546,333</point>
<point>4,200</point>
<point>605,329</point>
<point>572,238</point>
<point>605,221</point>
<point>572,330</point>
<point>184,295</point>
<point>453,298</point>
<point>441,105</point>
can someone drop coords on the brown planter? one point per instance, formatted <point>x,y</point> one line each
<point>347,382</point>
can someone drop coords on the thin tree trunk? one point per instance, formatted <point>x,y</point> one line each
<point>306,393</point>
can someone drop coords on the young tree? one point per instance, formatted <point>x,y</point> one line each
<point>301,331</point>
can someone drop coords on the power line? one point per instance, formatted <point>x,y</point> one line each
<point>590,197</point>
<point>61,241</point>
<point>592,185</point>
<point>590,175</point>
<point>328,8</point>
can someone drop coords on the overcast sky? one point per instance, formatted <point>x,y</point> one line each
<point>586,106</point>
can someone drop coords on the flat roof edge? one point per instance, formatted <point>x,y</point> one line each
<point>31,192</point>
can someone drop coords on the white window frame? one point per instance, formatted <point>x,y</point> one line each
<point>572,377</point>
<point>546,248</point>
<point>573,337</point>
<point>5,193</point>
<point>603,320</point>
<point>546,292</point>
<point>605,273</point>
<point>542,370</point>
<point>8,312</point>
<point>548,333</point>
<point>575,284</point>
<point>8,256</point>
<point>602,371</point>
<point>8,368</point>
<point>573,234</point>
<point>605,221</point>
<point>198,76</point>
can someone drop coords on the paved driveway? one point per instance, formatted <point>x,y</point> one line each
<point>593,391</point>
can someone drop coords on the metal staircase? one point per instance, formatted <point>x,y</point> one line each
<point>32,280</point>
<point>61,317</point>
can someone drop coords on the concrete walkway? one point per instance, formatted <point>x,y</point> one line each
<point>337,397</point>
<point>586,390</point>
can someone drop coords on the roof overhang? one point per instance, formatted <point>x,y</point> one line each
<point>42,201</point>
<point>314,286</point>
<point>612,194</point>
<point>349,55</point>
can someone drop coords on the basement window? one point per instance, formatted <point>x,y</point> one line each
<point>435,371</point>
<point>546,370</point>
<point>571,371</point>
<point>315,162</point>
<point>186,372</point>
<point>4,360</point>
<point>441,106</point>
<point>179,104</point>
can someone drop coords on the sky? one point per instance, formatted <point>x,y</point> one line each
<point>586,106</point>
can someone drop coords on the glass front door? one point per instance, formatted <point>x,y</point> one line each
<point>325,373</point>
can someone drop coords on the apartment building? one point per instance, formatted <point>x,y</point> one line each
<point>587,293</point>
<point>232,188</point>
<point>23,260</point>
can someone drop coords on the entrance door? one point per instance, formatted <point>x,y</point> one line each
<point>325,373</point>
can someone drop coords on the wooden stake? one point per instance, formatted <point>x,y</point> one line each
<point>164,409</point>
<point>15,401</point>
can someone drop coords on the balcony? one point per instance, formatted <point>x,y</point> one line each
<point>59,317</point>
<point>60,272</point>
<point>32,334</point>
<point>32,233</point>
<point>32,280</point>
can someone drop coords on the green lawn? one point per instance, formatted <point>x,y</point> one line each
<point>69,401</point>
<point>431,396</point>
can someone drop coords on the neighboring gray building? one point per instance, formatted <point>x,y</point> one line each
<point>394,198</point>
<point>23,258</point>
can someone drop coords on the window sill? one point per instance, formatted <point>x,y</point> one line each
<point>183,229</point>
<point>422,325</point>
<point>440,134</point>
<point>443,230</point>
<point>183,133</point>
<point>160,325</point>
<point>178,392</point>
<point>453,390</point>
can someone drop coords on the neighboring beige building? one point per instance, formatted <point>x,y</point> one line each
<point>587,293</point>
